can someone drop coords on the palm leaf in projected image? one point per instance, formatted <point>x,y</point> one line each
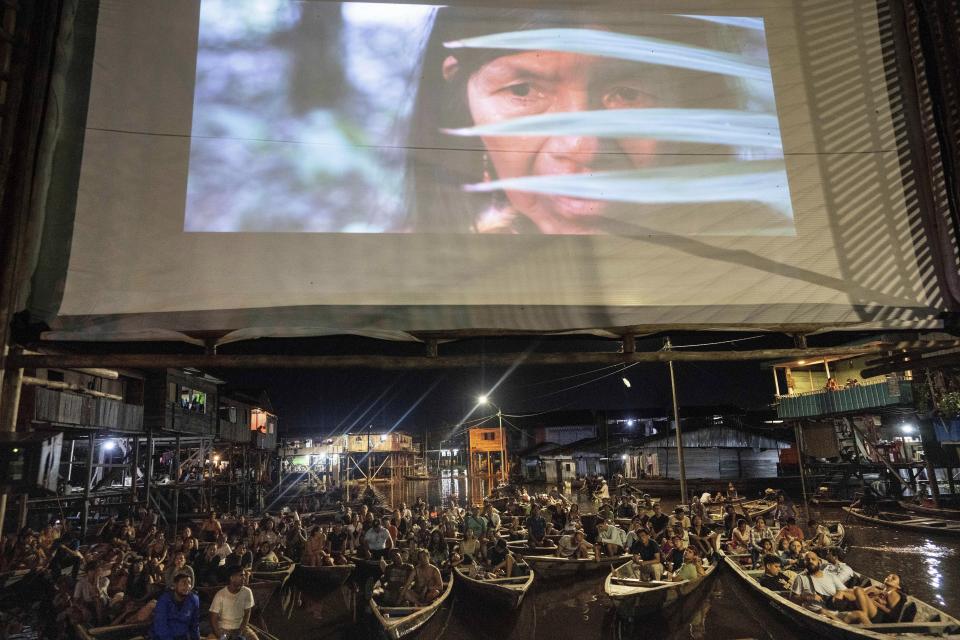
<point>705,126</point>
<point>753,24</point>
<point>620,46</point>
<point>755,180</point>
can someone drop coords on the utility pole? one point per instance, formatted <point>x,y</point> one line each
<point>676,418</point>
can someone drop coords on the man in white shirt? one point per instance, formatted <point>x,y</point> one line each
<point>837,566</point>
<point>231,608</point>
<point>814,586</point>
<point>611,539</point>
<point>378,540</point>
<point>223,549</point>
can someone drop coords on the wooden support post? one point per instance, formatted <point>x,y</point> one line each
<point>88,479</point>
<point>951,482</point>
<point>22,514</point>
<point>10,386</point>
<point>932,482</point>
<point>176,486</point>
<point>134,470</point>
<point>148,473</point>
<point>803,479</point>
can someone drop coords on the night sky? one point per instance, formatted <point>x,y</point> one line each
<point>323,401</point>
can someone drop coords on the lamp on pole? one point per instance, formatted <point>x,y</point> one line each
<point>485,400</point>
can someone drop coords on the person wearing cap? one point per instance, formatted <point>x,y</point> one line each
<point>678,517</point>
<point>773,578</point>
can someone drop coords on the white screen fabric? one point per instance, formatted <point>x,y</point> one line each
<point>268,167</point>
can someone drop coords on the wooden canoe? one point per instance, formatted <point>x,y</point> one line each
<point>399,622</point>
<point>633,597</point>
<point>552,566</point>
<point>138,631</point>
<point>929,622</point>
<point>830,502</point>
<point>504,592</point>
<point>322,577</point>
<point>280,572</point>
<point>927,510</point>
<point>909,522</point>
<point>752,508</point>
<point>523,548</point>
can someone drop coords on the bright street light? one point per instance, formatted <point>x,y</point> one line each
<point>483,399</point>
<point>109,445</point>
<point>626,382</point>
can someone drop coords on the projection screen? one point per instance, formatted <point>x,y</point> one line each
<point>271,167</point>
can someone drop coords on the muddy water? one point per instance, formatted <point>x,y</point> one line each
<point>577,607</point>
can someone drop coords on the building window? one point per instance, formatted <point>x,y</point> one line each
<point>489,435</point>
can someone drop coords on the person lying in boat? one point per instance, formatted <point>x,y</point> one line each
<point>646,563</point>
<point>813,586</point>
<point>397,578</point>
<point>773,577</point>
<point>611,539</point>
<point>574,546</point>
<point>690,568</point>
<point>881,605</point>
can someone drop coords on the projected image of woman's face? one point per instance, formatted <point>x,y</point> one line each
<point>543,82</point>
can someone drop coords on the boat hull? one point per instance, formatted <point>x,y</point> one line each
<point>824,627</point>
<point>400,626</point>
<point>496,593</point>
<point>550,566</point>
<point>633,601</point>
<point>319,578</point>
<point>933,526</point>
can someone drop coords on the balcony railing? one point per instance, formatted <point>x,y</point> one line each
<point>58,407</point>
<point>846,400</point>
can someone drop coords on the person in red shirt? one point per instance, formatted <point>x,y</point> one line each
<point>791,531</point>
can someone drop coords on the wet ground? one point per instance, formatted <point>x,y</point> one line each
<point>577,607</point>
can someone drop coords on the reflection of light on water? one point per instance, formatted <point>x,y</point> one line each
<point>929,549</point>
<point>933,571</point>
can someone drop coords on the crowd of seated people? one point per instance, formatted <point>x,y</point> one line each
<point>129,568</point>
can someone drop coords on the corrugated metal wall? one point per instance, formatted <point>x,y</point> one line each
<point>717,462</point>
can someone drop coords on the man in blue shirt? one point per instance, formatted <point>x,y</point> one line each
<point>177,616</point>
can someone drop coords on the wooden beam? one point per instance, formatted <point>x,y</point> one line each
<point>261,361</point>
<point>66,386</point>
